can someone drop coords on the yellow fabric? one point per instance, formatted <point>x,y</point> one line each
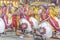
<point>7,12</point>
<point>53,12</point>
<point>28,13</point>
<point>53,29</point>
<point>56,10</point>
<point>36,12</point>
<point>0,11</point>
<point>37,17</point>
<point>9,16</point>
<point>17,21</point>
<point>12,10</point>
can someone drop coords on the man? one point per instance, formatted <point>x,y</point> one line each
<point>53,20</point>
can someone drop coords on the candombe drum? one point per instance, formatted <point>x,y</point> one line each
<point>45,29</point>
<point>2,25</point>
<point>25,25</point>
<point>33,22</point>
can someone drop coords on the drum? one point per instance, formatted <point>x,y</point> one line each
<point>2,25</point>
<point>25,25</point>
<point>45,29</point>
<point>33,22</point>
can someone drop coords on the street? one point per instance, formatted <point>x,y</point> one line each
<point>12,36</point>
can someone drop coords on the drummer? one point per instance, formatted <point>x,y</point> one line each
<point>9,14</point>
<point>45,13</point>
<point>2,24</point>
<point>4,16</point>
<point>14,18</point>
<point>53,22</point>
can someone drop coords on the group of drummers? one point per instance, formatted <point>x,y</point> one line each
<point>12,16</point>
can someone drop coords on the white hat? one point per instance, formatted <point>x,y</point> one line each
<point>52,4</point>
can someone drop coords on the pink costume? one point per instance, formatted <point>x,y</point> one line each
<point>4,16</point>
<point>44,15</point>
<point>54,23</point>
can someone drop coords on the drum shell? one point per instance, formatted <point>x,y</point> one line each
<point>48,28</point>
<point>2,25</point>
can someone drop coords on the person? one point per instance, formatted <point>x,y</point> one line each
<point>17,19</point>
<point>53,20</point>
<point>9,15</point>
<point>44,24</point>
<point>2,23</point>
<point>31,18</point>
<point>4,16</point>
<point>14,20</point>
<point>24,23</point>
<point>45,13</point>
<point>53,13</point>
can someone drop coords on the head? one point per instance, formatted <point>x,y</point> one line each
<point>45,6</point>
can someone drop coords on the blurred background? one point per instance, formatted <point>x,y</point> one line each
<point>15,2</point>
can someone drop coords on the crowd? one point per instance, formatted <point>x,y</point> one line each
<point>13,16</point>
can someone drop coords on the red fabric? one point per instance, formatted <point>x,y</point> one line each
<point>28,17</point>
<point>25,9</point>
<point>14,22</point>
<point>44,31</point>
<point>23,28</point>
<point>21,16</point>
<point>46,13</point>
<point>55,22</point>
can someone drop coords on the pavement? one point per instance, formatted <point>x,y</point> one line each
<point>12,36</point>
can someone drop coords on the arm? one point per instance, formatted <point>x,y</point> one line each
<point>45,19</point>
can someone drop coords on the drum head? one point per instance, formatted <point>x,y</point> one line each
<point>25,25</point>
